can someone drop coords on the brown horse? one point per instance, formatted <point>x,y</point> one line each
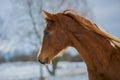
<point>99,49</point>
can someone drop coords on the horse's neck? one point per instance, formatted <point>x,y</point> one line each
<point>100,54</point>
<point>93,48</point>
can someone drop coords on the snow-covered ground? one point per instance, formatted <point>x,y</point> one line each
<point>31,71</point>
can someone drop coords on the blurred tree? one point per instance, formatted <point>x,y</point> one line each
<point>35,30</point>
<point>2,58</point>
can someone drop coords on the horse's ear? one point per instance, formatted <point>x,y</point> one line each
<point>47,15</point>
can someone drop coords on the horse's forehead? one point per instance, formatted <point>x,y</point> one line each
<point>57,22</point>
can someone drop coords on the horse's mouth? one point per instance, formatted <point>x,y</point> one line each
<point>45,61</point>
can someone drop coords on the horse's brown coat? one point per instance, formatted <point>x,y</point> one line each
<point>99,50</point>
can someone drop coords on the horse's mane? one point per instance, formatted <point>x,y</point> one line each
<point>91,26</point>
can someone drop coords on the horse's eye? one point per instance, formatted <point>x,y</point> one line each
<point>46,33</point>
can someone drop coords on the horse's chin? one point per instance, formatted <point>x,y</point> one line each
<point>49,62</point>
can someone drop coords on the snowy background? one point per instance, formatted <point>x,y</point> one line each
<point>30,71</point>
<point>21,31</point>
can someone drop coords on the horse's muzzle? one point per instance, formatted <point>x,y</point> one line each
<point>45,61</point>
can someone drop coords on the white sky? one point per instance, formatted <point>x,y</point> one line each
<point>5,8</point>
<point>107,15</point>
